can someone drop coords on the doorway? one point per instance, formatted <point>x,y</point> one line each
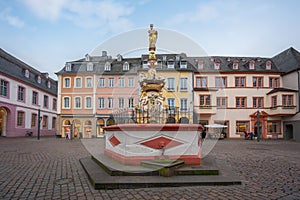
<point>289,132</point>
<point>3,121</point>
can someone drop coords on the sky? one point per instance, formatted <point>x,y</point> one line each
<point>48,33</point>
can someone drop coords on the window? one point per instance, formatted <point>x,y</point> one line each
<point>221,81</point>
<point>111,82</point>
<point>66,102</point>
<point>46,101</point>
<point>183,84</point>
<point>21,93</point>
<point>235,64</point>
<point>126,66</point>
<point>183,64</point>
<point>273,127</point>
<point>131,82</point>
<point>78,82</point>
<point>221,102</point>
<point>88,102</point>
<point>33,119</point>
<point>53,122</point>
<point>171,64</point>
<point>121,82</point>
<point>68,67</point>
<point>4,88</point>
<point>121,102</point>
<point>217,65</point>
<point>287,100</point>
<point>39,79</point>
<point>90,67</point>
<point>268,65</point>
<point>131,102</point>
<point>251,64</point>
<point>183,104</point>
<point>240,81</point>
<point>45,121</point>
<point>273,82</point>
<point>201,82</point>
<point>241,126</point>
<point>88,83</point>
<point>274,101</point>
<point>204,100</point>
<point>240,102</point>
<point>67,83</point>
<point>171,103</point>
<point>35,96</point>
<point>110,103</point>
<point>20,118</point>
<point>48,84</point>
<point>258,102</point>
<point>107,66</point>
<point>171,84</point>
<point>77,102</point>
<point>54,104</point>
<point>101,82</point>
<point>200,64</point>
<point>26,74</point>
<point>101,102</point>
<point>145,64</point>
<point>258,82</point>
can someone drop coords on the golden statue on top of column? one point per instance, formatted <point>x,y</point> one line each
<point>152,38</point>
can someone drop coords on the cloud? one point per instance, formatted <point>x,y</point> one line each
<point>13,20</point>
<point>84,13</point>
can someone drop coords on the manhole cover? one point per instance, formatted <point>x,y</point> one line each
<point>63,181</point>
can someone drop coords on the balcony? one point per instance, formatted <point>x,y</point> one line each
<point>282,110</point>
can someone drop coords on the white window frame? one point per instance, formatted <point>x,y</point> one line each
<point>121,82</point>
<point>86,102</point>
<point>131,82</point>
<point>111,82</point>
<point>101,82</point>
<point>86,82</point>
<point>183,108</point>
<point>90,67</point>
<point>169,84</point>
<point>64,85</point>
<point>64,102</point>
<point>110,103</point>
<point>101,103</point>
<point>183,84</point>
<point>130,102</point>
<point>75,103</point>
<point>121,102</point>
<point>107,67</point>
<point>126,66</point>
<point>75,82</point>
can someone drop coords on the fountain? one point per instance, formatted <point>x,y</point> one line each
<point>143,154</point>
<point>151,138</point>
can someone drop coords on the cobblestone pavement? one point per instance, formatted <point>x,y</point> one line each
<point>50,169</point>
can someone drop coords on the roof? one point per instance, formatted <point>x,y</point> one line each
<point>288,60</point>
<point>13,67</point>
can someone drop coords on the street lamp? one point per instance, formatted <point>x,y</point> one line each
<point>39,123</point>
<point>258,125</point>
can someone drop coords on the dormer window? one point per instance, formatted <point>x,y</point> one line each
<point>243,59</point>
<point>251,64</point>
<point>164,58</point>
<point>126,66</point>
<point>68,67</point>
<point>159,63</point>
<point>90,67</point>
<point>39,79</point>
<point>107,66</point>
<point>87,57</point>
<point>258,59</point>
<point>26,73</point>
<point>235,64</point>
<point>119,58</point>
<point>171,64</point>
<point>145,64</point>
<point>217,65</point>
<point>183,64</point>
<point>268,65</point>
<point>228,59</point>
<point>48,84</point>
<point>177,58</point>
<point>200,64</point>
<point>212,59</point>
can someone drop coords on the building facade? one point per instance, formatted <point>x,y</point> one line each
<point>251,94</point>
<point>25,94</point>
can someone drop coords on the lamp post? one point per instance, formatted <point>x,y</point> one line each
<point>39,123</point>
<point>258,126</point>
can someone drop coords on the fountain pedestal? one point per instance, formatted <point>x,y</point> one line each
<point>133,143</point>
